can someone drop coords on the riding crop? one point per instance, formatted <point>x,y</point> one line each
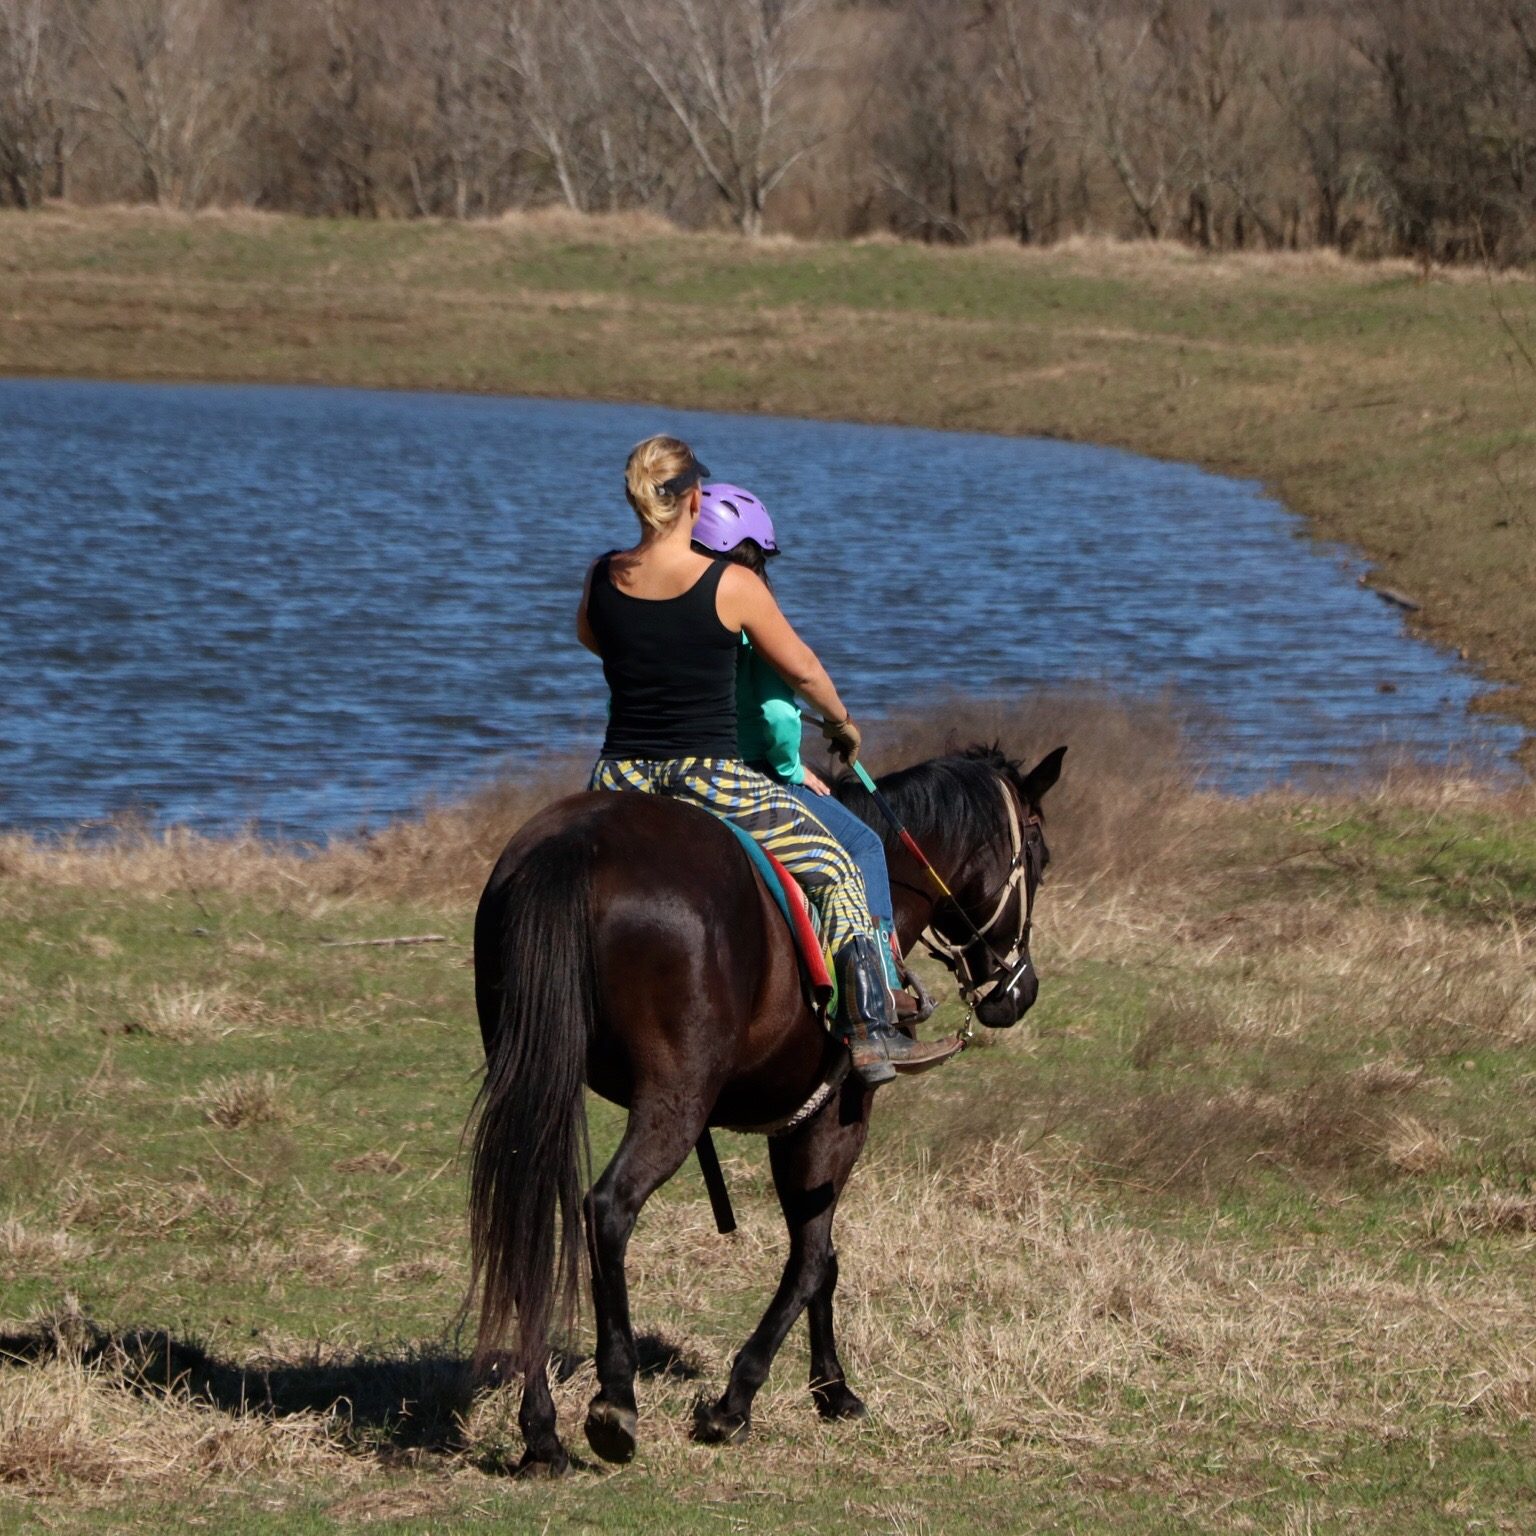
<point>907,840</point>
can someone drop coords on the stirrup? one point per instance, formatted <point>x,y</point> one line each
<point>924,999</point>
<point>878,1048</point>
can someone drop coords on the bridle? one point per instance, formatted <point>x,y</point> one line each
<point>1025,866</point>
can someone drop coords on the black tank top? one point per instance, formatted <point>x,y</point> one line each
<point>671,668</point>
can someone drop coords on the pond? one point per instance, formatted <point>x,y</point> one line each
<point>313,608</point>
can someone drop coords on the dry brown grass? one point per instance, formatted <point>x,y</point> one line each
<point>1124,802</point>
<point>107,1414</point>
<point>1178,1024</point>
<point>998,1313</point>
<point>563,223</point>
<point>1002,1315</point>
<point>321,1257</point>
<point>1125,823</point>
<point>28,1247</point>
<point>1454,1215</point>
<point>442,854</point>
<point>132,858</point>
<point>243,1099</point>
<point>185,1013</point>
<point>449,850</point>
<point>1125,790</point>
<point>68,1422</point>
<point>1183,1138</point>
<point>1231,1007</point>
<point>377,1161</point>
<point>1298,1024</point>
<point>149,1209</point>
<point>1106,255</point>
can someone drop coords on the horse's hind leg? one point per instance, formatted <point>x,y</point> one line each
<point>810,1168</point>
<point>543,1454</point>
<point>655,1143</point>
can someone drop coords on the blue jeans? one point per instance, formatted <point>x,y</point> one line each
<point>863,844</point>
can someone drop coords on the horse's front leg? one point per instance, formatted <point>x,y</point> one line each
<point>830,1391</point>
<point>655,1143</point>
<point>810,1168</point>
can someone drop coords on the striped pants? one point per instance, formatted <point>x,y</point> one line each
<point>767,812</point>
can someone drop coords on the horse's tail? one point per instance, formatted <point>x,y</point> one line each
<point>534,932</point>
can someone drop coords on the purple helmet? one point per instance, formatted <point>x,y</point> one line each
<point>728,515</point>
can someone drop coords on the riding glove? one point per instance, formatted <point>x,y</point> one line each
<point>845,738</point>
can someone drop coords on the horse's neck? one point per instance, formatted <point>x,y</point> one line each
<point>911,889</point>
<point>914,912</point>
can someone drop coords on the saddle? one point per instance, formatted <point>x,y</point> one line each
<point>815,973</point>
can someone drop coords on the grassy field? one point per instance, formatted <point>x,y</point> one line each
<point>1233,1234</point>
<point>1394,410</point>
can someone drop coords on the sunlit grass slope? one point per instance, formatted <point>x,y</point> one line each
<point>1393,410</point>
<point>1233,1233</point>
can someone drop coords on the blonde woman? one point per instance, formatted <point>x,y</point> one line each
<point>667,622</point>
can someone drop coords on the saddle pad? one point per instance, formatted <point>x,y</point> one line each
<point>790,900</point>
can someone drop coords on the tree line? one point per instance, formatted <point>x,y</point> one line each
<point>1402,127</point>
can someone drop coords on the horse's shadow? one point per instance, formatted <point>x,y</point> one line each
<point>411,1401</point>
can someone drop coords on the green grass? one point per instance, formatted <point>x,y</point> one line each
<point>1393,412</point>
<point>1233,1233</point>
<point>1478,866</point>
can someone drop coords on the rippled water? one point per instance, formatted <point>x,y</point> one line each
<point>312,608</point>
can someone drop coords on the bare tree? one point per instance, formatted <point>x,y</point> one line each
<point>1315,83</point>
<point>547,52</point>
<point>1511,125</point>
<point>928,154</point>
<point>455,127</point>
<point>1019,50</point>
<point>726,69</point>
<point>1125,93</point>
<point>35,116</point>
<point>343,94</point>
<point>170,77</point>
<point>1370,125</point>
<point>1425,138</point>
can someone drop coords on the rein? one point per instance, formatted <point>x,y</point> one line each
<point>955,956</point>
<point>1027,860</point>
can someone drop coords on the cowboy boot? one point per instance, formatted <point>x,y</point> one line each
<point>878,1049</point>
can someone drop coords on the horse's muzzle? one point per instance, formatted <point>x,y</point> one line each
<point>1011,998</point>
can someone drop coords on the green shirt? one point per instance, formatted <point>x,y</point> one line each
<point>767,717</point>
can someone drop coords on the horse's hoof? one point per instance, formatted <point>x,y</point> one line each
<point>611,1430</point>
<point>711,1427</point>
<point>837,1401</point>
<point>546,1465</point>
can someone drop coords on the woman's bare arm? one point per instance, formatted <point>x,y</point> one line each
<point>745,602</point>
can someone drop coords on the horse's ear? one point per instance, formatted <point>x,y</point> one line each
<point>1042,776</point>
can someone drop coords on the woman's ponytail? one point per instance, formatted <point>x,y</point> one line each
<point>651,465</point>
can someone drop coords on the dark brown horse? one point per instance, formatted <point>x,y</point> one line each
<point>624,941</point>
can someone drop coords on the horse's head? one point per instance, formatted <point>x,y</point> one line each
<point>985,940</point>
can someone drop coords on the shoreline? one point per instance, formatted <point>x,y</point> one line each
<point>1246,371</point>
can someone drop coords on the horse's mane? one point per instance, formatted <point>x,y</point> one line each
<point>952,799</point>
